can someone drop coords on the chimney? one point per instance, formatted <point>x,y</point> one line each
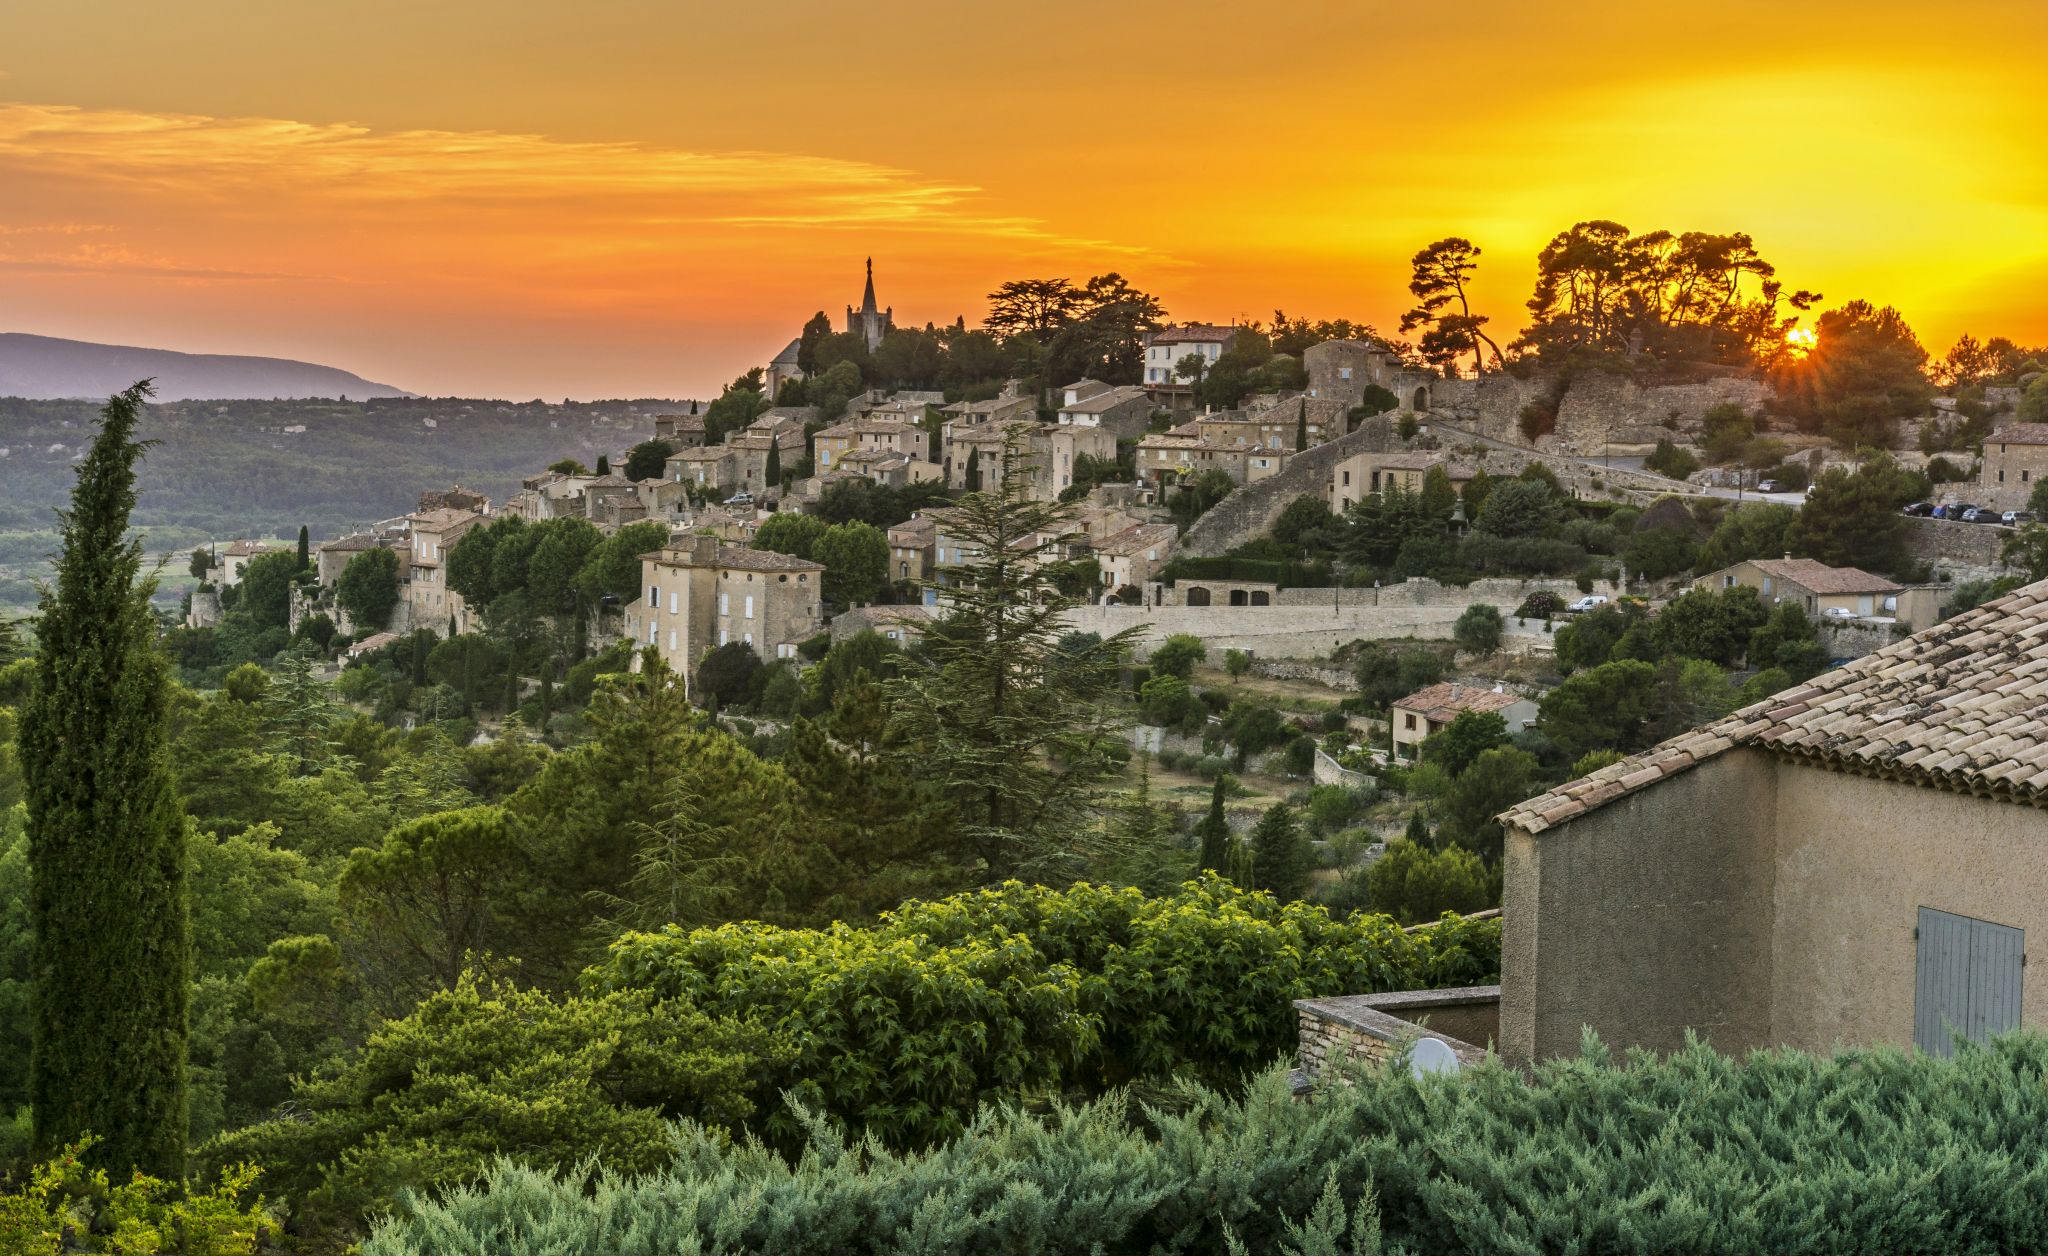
<point>1788,556</point>
<point>1454,691</point>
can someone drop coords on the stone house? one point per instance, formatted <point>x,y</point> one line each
<point>1274,426</point>
<point>1168,456</point>
<point>910,548</point>
<point>603,489</point>
<point>710,468</point>
<point>1857,862</point>
<point>982,445</point>
<point>887,468</point>
<point>1431,710</point>
<point>1123,412</point>
<point>681,431</point>
<point>870,433</point>
<point>1063,447</point>
<point>1829,592</point>
<point>994,410</point>
<point>1362,475</point>
<point>2015,459</point>
<point>1133,558</point>
<point>234,560</point>
<point>899,625</point>
<point>784,368</point>
<point>455,498</point>
<point>779,428</point>
<point>1341,370</point>
<point>429,601</point>
<point>1260,463</point>
<point>1165,348</point>
<point>700,592</point>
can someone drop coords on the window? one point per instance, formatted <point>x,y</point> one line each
<point>750,606</point>
<point>650,634</point>
<point>724,637</point>
<point>785,651</point>
<point>653,595</point>
<point>671,639</point>
<point>671,601</point>
<point>1343,372</point>
<point>1408,721</point>
<point>725,603</point>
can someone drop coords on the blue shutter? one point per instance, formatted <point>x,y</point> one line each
<point>1967,980</point>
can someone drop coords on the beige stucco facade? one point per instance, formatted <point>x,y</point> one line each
<point>1757,900</point>
<point>704,593</point>
<point>2015,459</point>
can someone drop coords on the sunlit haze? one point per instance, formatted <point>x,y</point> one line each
<point>621,198</point>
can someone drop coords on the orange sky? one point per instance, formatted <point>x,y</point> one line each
<point>641,197</point>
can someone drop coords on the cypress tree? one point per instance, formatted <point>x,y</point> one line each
<point>772,473</point>
<point>305,548</point>
<point>973,471</point>
<point>1282,858</point>
<point>1215,832</point>
<point>1301,427</point>
<point>106,837</point>
<point>604,464</point>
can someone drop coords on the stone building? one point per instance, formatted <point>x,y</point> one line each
<point>779,428</point>
<point>1362,475</point>
<point>1431,710</point>
<point>910,549</point>
<point>1133,558</point>
<point>1829,592</point>
<point>455,498</point>
<point>701,592</point>
<point>234,560</point>
<point>333,557</point>
<point>1168,456</point>
<point>2015,459</point>
<point>786,367</point>
<point>869,432</point>
<point>708,469</point>
<point>1166,348</point>
<point>1341,371</point>
<point>1857,861</point>
<point>867,322</point>
<point>1123,412</point>
<point>682,431</point>
<point>429,601</point>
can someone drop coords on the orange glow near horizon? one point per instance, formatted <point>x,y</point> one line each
<point>635,199</point>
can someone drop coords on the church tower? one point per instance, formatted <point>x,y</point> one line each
<point>870,323</point>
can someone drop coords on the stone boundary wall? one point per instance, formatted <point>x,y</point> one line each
<point>1330,772</point>
<point>1852,639</point>
<point>1380,1026</point>
<point>1288,632</point>
<point>1315,673</point>
<point>1962,551</point>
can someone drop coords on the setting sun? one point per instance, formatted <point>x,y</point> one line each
<point>1800,341</point>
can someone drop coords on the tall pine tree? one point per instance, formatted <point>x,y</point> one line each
<point>106,839</point>
<point>1301,427</point>
<point>1215,832</point>
<point>772,473</point>
<point>305,548</point>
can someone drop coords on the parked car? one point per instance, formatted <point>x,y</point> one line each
<point>1837,612</point>
<point>1954,510</point>
<point>1980,514</point>
<point>1768,486</point>
<point>2014,518</point>
<point>740,499</point>
<point>1586,603</point>
<point>1919,510</point>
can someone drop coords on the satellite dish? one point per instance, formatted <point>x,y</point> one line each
<point>1432,1055</point>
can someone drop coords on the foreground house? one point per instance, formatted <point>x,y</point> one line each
<point>1857,861</point>
<point>1431,710</point>
<point>1825,592</point>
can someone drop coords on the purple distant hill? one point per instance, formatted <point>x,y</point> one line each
<point>44,368</point>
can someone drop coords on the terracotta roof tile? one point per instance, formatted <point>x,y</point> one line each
<point>1961,706</point>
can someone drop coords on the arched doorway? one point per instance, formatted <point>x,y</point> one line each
<point>1238,598</point>
<point>1421,399</point>
<point>1198,596</point>
<point>1260,598</point>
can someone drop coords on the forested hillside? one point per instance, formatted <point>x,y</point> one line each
<point>225,469</point>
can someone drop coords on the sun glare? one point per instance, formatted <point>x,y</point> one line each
<point>1800,341</point>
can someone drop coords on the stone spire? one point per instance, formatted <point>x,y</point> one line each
<point>867,299</point>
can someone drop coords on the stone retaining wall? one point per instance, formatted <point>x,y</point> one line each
<point>1380,1026</point>
<point>1960,551</point>
<point>1252,508</point>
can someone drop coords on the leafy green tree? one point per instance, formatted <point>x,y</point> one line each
<point>1439,498</point>
<point>648,460</point>
<point>1714,625</point>
<point>1213,834</point>
<point>1413,883</point>
<point>266,588</point>
<point>1017,758</point>
<point>1607,707</point>
<point>1517,508</point>
<point>1496,780</point>
<point>368,589</point>
<point>604,464</point>
<point>788,532</point>
<point>1852,519</point>
<point>856,558</point>
<point>1479,628</point>
<point>1866,371</point>
<point>1787,640</point>
<point>298,712</point>
<point>1752,531</point>
<point>726,674</point>
<point>1455,746</point>
<point>202,562</point>
<point>1177,655</point>
<point>1589,639</point>
<point>1282,858</point>
<point>1440,272</point>
<point>1669,460</point>
<point>1167,702</point>
<point>106,842</point>
<point>1385,675</point>
<point>771,472</point>
<point>1236,663</point>
<point>613,568</point>
<point>568,466</point>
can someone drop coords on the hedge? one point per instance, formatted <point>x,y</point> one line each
<point>1778,1151</point>
<point>904,1028</point>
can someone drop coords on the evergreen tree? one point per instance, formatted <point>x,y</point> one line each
<point>1018,758</point>
<point>305,548</point>
<point>604,464</point>
<point>1215,831</point>
<point>106,840</point>
<point>973,471</point>
<point>298,711</point>
<point>1301,427</point>
<point>1282,857</point>
<point>1237,865</point>
<point>772,473</point>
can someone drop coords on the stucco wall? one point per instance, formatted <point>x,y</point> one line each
<point>1857,858</point>
<point>1645,917</point>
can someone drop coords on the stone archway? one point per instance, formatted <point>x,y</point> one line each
<point>1198,596</point>
<point>1238,597</point>
<point>1261,598</point>
<point>1420,401</point>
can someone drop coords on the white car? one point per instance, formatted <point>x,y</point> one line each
<point>1837,612</point>
<point>1586,603</point>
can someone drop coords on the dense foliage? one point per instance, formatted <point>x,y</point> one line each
<point>1771,1152</point>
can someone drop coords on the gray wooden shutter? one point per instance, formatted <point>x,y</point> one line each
<point>1967,980</point>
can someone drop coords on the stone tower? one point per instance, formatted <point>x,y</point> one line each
<point>870,323</point>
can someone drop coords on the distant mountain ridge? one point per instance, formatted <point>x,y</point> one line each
<point>44,368</point>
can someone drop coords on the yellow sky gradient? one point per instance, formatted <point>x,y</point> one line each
<point>630,198</point>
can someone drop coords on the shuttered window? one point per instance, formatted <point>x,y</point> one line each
<point>1967,980</point>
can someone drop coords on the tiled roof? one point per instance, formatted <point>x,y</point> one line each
<point>1096,403</point>
<point>353,541</point>
<point>2019,434</point>
<point>1821,578</point>
<point>683,422</point>
<point>1138,537</point>
<point>1410,462</point>
<point>1962,706</point>
<point>240,549</point>
<point>1191,333</point>
<point>746,558</point>
<point>1444,702</point>
<point>614,480</point>
<point>914,532</point>
<point>706,453</point>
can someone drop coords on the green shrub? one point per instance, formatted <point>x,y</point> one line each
<point>66,1207</point>
<point>904,1028</point>
<point>1412,883</point>
<point>1773,1151</point>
